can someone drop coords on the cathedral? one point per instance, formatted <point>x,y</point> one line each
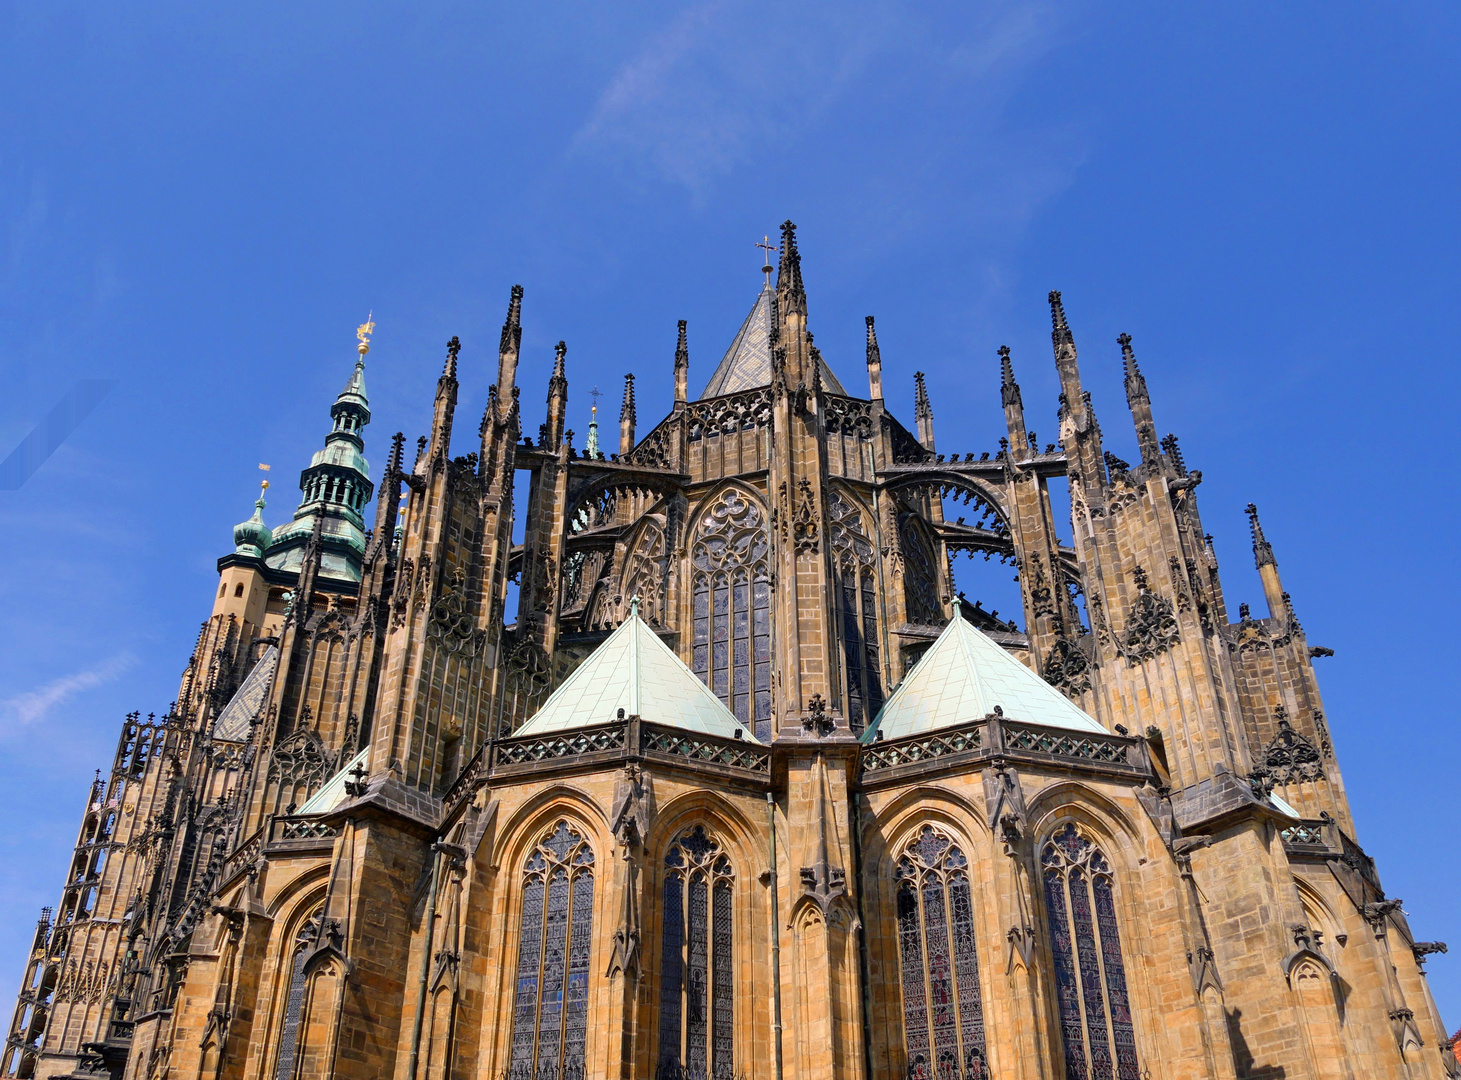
<point>699,764</point>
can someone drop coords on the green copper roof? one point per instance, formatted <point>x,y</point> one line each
<point>235,722</point>
<point>333,793</point>
<point>747,363</point>
<point>962,677</point>
<point>635,671</point>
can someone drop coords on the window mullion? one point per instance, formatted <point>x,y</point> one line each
<point>1075,963</point>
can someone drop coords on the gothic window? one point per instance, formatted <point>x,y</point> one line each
<point>645,573</point>
<point>300,765</point>
<point>943,1015</point>
<point>857,611</point>
<point>731,588</point>
<point>550,1006</point>
<point>920,574</point>
<point>1090,977</point>
<point>294,998</point>
<point>696,1012</point>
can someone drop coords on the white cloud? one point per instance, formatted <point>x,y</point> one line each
<point>33,705</point>
<point>727,80</point>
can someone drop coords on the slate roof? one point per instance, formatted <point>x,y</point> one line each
<point>635,671</point>
<point>235,721</point>
<point>747,363</point>
<point>962,677</point>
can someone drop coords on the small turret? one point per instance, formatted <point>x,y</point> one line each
<point>1278,606</point>
<point>251,538</point>
<point>1014,406</point>
<point>682,369</point>
<point>922,411</point>
<point>874,363</point>
<point>1140,403</point>
<point>557,398</point>
<point>627,417</point>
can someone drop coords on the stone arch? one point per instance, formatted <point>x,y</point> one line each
<point>298,906</point>
<point>519,833</point>
<point>1118,830</point>
<point>594,502</point>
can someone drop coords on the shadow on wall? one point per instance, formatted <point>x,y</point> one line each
<point>1243,1058</point>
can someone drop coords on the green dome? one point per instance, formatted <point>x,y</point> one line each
<point>252,537</point>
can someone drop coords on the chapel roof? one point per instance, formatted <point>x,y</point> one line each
<point>747,363</point>
<point>235,721</point>
<point>635,671</point>
<point>962,677</point>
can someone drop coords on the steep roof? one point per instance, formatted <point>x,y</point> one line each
<point>235,721</point>
<point>747,363</point>
<point>332,794</point>
<point>962,677</point>
<point>635,671</point>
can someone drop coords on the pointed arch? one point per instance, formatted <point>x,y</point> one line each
<point>730,595</point>
<point>855,601</point>
<point>646,571</point>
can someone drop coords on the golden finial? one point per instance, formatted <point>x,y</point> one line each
<point>363,332</point>
<point>265,485</point>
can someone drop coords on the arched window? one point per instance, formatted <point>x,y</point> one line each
<point>855,561</point>
<point>696,1003</point>
<point>550,1006</point>
<point>238,589</point>
<point>943,1015</point>
<point>307,937</point>
<point>732,608</point>
<point>1090,978</point>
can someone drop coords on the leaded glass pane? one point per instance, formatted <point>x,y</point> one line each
<point>529,967</point>
<point>696,1020</point>
<point>672,966</point>
<point>722,1044</point>
<point>555,942</point>
<point>1123,1035</point>
<point>697,982</point>
<point>728,555</point>
<point>293,1007</point>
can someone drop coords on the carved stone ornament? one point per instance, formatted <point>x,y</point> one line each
<point>804,525</point>
<point>452,624</point>
<point>1152,626</point>
<point>1066,667</point>
<point>1291,758</point>
<point>817,722</point>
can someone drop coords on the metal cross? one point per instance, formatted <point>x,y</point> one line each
<point>767,246</point>
<point>596,393</point>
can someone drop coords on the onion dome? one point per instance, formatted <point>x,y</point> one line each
<point>252,537</point>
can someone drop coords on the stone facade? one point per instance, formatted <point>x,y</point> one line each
<point>356,863</point>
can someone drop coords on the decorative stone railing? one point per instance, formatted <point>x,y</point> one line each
<point>624,740</point>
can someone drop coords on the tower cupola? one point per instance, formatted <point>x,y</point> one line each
<point>252,537</point>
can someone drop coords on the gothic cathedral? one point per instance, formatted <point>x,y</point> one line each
<point>698,764</point>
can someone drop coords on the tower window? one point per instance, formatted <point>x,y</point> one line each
<point>943,1014</point>
<point>697,989</point>
<point>550,1006</point>
<point>222,588</point>
<point>238,589</point>
<point>1090,977</point>
<point>731,649</point>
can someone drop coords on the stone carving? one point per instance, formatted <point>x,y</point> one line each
<point>1151,628</point>
<point>804,525</point>
<point>848,417</point>
<point>725,415</point>
<point>1067,668</point>
<point>1291,758</point>
<point>452,624</point>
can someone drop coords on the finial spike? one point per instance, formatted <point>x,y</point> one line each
<point>789,273</point>
<point>1060,329</point>
<point>512,330</point>
<point>453,347</point>
<point>1136,390</point>
<point>626,410</point>
<point>1262,549</point>
<point>1009,390</point>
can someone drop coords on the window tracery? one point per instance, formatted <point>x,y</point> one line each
<point>294,998</point>
<point>920,574</point>
<point>943,1013</point>
<point>697,1004</point>
<point>645,575</point>
<point>1090,975</point>
<point>731,594</point>
<point>855,561</point>
<point>550,1003</point>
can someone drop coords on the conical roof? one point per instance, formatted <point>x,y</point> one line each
<point>962,677</point>
<point>235,721</point>
<point>635,671</point>
<point>747,363</point>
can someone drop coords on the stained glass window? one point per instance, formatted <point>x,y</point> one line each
<point>854,559</point>
<point>697,991</point>
<point>550,1003</point>
<point>294,999</point>
<point>731,617</point>
<point>1090,977</point>
<point>943,1014</point>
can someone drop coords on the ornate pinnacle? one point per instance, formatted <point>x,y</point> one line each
<point>626,411</point>
<point>1009,390</point>
<point>1060,329</point>
<point>921,408</point>
<point>453,347</point>
<point>682,347</point>
<point>512,331</point>
<point>789,273</point>
<point>1135,381</point>
<point>1262,549</point>
<point>559,353</point>
<point>874,354</point>
<point>398,446</point>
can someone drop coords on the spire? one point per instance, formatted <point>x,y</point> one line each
<point>789,273</point>
<point>1278,600</point>
<point>1014,406</point>
<point>1262,549</point>
<point>252,537</point>
<point>445,406</point>
<point>508,348</point>
<point>922,411</point>
<point>627,416</point>
<point>390,490</point>
<point>1140,403</point>
<point>336,485</point>
<point>557,397</point>
<point>682,368</point>
<point>454,346</point>
<point>874,363</point>
<point>1065,360</point>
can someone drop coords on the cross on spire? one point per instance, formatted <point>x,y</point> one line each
<point>596,393</point>
<point>767,246</point>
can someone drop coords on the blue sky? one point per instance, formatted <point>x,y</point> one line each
<point>201,203</point>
